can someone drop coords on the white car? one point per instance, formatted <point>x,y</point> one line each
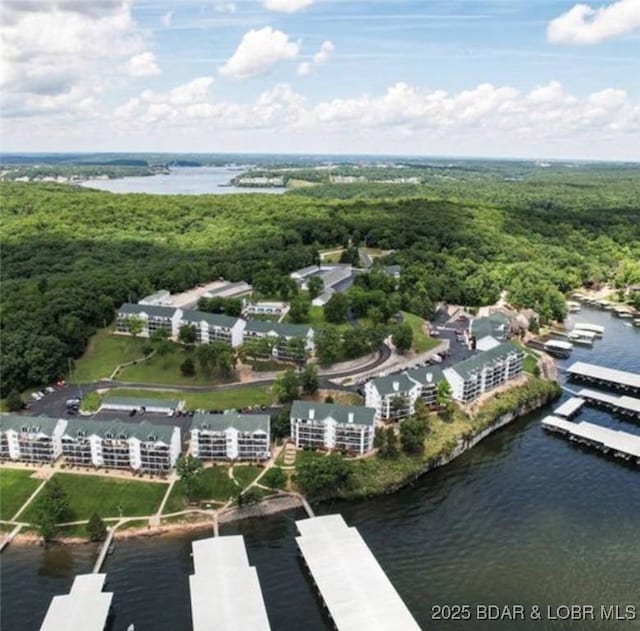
<point>50,389</point>
<point>35,396</point>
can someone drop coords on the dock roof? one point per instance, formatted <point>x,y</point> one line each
<point>592,371</point>
<point>225,590</point>
<point>84,608</point>
<point>357,592</point>
<point>339,413</point>
<point>228,420</point>
<point>631,404</point>
<point>569,407</point>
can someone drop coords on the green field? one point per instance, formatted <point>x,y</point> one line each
<point>15,488</point>
<point>90,493</point>
<point>104,352</point>
<point>215,484</point>
<point>244,475</point>
<point>223,399</point>
<point>422,341</point>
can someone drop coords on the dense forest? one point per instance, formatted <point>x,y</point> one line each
<point>70,256</point>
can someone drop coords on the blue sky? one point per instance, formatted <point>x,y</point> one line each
<point>543,78</point>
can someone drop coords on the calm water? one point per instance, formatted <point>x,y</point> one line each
<point>525,517</point>
<point>180,181</point>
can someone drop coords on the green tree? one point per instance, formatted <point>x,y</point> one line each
<point>96,529</point>
<point>296,349</point>
<point>388,442</point>
<point>299,309</point>
<point>309,380</point>
<point>281,423</point>
<point>159,335</point>
<point>287,387</point>
<point>315,286</point>
<point>135,325</point>
<point>336,309</point>
<point>328,345</point>
<point>249,497</point>
<point>188,368</point>
<point>274,478</point>
<point>402,337</point>
<point>188,334</point>
<point>189,470</point>
<point>413,432</point>
<point>318,476</point>
<point>14,401</point>
<point>443,394</point>
<point>51,507</point>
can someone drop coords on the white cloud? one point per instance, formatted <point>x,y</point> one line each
<point>225,7</point>
<point>287,6</point>
<point>321,57</point>
<point>166,19</point>
<point>584,25</point>
<point>258,52</point>
<point>142,65</point>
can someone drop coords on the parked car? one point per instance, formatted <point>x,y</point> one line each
<point>437,359</point>
<point>35,396</point>
<point>72,411</point>
<point>72,402</point>
<point>132,412</point>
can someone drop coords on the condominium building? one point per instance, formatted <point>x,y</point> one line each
<point>116,445</point>
<point>428,377</point>
<point>485,371</point>
<point>281,335</point>
<point>35,439</point>
<point>330,426</point>
<point>264,308</point>
<point>392,397</point>
<point>230,436</point>
<point>215,327</point>
<point>153,317</point>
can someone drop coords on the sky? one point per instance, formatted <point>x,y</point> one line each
<point>487,78</point>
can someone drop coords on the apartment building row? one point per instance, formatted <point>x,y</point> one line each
<point>210,327</point>
<point>139,447</point>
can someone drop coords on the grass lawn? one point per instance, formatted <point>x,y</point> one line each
<point>104,352</point>
<point>224,399</point>
<point>530,360</point>
<point>91,493</point>
<point>91,401</point>
<point>422,341</point>
<point>15,487</point>
<point>215,484</point>
<point>246,474</point>
<point>339,396</point>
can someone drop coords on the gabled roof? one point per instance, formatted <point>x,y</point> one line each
<point>144,431</point>
<point>339,413</point>
<point>277,328</point>
<point>214,319</point>
<point>477,362</point>
<point>426,374</point>
<point>494,325</point>
<point>385,385</point>
<point>32,424</point>
<point>156,311</point>
<point>228,420</point>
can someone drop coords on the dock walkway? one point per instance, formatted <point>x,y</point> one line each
<point>569,407</point>
<point>608,377</point>
<point>620,404</point>
<point>353,586</point>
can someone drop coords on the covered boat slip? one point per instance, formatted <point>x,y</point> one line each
<point>621,443</point>
<point>84,608</point>
<point>355,589</point>
<point>605,376</point>
<point>225,590</point>
<point>622,404</point>
<point>569,407</point>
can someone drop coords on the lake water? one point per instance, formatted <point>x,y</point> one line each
<point>181,181</point>
<point>525,517</point>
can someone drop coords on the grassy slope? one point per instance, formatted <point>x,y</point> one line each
<point>422,341</point>
<point>215,484</point>
<point>245,474</point>
<point>88,494</point>
<point>15,488</point>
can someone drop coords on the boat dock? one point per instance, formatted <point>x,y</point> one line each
<point>621,444</point>
<point>619,404</point>
<point>587,326</point>
<point>353,586</point>
<point>84,608</point>
<point>607,377</point>
<point>569,407</point>
<point>104,549</point>
<point>225,590</point>
<point>558,348</point>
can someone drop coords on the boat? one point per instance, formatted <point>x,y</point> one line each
<point>582,337</point>
<point>558,348</point>
<point>636,322</point>
<point>604,304</point>
<point>573,307</point>
<point>586,326</point>
<point>623,312</point>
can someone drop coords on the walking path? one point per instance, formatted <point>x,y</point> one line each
<point>15,517</point>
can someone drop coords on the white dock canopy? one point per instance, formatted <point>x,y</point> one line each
<point>84,608</point>
<point>623,403</point>
<point>225,590</point>
<point>352,584</point>
<point>591,371</point>
<point>569,407</point>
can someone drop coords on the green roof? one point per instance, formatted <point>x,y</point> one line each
<point>157,311</point>
<point>240,422</point>
<point>385,385</point>
<point>278,328</point>
<point>32,424</point>
<point>422,374</point>
<point>138,403</point>
<point>493,325</point>
<point>477,362</point>
<point>339,413</point>
<point>214,319</point>
<point>143,431</point>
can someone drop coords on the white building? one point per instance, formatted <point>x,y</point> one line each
<point>36,439</point>
<point>161,298</point>
<point>329,426</point>
<point>280,334</point>
<point>213,327</point>
<point>126,404</point>
<point>264,308</point>
<point>231,436</point>
<point>116,445</point>
<point>153,317</point>
<point>393,397</point>
<point>485,371</point>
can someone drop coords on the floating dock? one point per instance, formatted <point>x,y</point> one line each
<point>353,586</point>
<point>558,348</point>
<point>569,407</point>
<point>586,326</point>
<point>84,608</point>
<point>608,377</point>
<point>620,444</point>
<point>620,404</point>
<point>225,590</point>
